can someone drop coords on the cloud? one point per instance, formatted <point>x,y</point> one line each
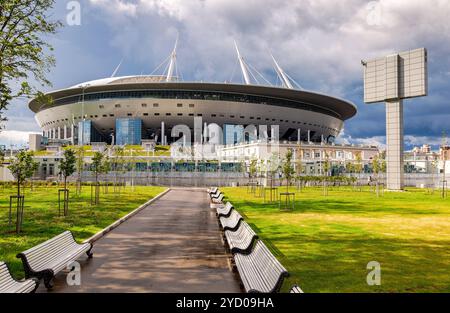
<point>14,137</point>
<point>319,43</point>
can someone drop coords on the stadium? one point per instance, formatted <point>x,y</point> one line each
<point>126,110</point>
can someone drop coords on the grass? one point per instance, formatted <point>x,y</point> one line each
<point>41,220</point>
<point>327,241</point>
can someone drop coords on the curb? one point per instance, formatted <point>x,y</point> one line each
<point>114,225</point>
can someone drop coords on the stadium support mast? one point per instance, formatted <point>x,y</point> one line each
<point>283,77</point>
<point>173,62</point>
<point>243,65</point>
<point>117,69</point>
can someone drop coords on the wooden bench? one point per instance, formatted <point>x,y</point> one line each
<point>232,222</point>
<point>9,285</point>
<point>225,211</point>
<point>47,259</point>
<point>296,289</point>
<point>212,190</point>
<point>260,271</point>
<point>218,199</point>
<point>215,195</point>
<point>241,240</point>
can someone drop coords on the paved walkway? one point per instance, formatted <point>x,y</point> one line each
<point>173,245</point>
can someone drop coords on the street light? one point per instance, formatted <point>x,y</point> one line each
<point>84,87</point>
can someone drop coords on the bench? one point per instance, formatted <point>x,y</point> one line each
<point>9,285</point>
<point>215,195</point>
<point>47,259</point>
<point>212,190</point>
<point>218,199</point>
<point>241,240</point>
<point>260,271</point>
<point>295,289</point>
<point>232,222</point>
<point>225,211</point>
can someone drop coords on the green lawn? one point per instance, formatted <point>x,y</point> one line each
<point>327,241</point>
<point>41,220</point>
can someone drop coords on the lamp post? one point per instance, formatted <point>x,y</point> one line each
<point>84,87</point>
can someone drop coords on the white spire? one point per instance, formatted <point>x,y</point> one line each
<point>243,65</point>
<point>284,78</point>
<point>173,62</point>
<point>117,69</point>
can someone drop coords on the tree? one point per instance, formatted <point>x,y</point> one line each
<point>288,170</point>
<point>24,27</point>
<point>79,154</point>
<point>299,168</point>
<point>105,169</point>
<point>67,166</point>
<point>97,167</point>
<point>252,169</point>
<point>22,167</point>
<point>326,170</point>
<point>119,164</point>
<point>376,167</point>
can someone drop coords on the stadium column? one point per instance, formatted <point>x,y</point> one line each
<point>394,145</point>
<point>59,133</point>
<point>65,131</point>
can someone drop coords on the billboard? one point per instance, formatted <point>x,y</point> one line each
<point>395,77</point>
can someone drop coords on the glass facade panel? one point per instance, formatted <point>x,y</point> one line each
<point>128,131</point>
<point>233,134</point>
<point>87,133</point>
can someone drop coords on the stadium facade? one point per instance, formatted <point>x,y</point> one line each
<point>127,110</point>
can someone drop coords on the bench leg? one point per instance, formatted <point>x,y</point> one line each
<point>48,281</point>
<point>89,253</point>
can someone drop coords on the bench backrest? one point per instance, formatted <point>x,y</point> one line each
<point>241,240</point>
<point>6,280</point>
<point>216,194</point>
<point>245,233</point>
<point>226,210</point>
<point>213,190</point>
<point>233,219</point>
<point>268,267</point>
<point>219,199</point>
<point>296,289</point>
<point>49,250</point>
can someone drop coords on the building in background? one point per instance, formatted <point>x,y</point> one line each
<point>92,110</point>
<point>128,131</point>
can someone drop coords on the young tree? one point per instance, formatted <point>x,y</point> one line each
<point>97,167</point>
<point>79,155</point>
<point>119,164</point>
<point>67,168</point>
<point>287,168</point>
<point>22,167</point>
<point>326,170</point>
<point>298,168</point>
<point>252,169</point>
<point>2,158</point>
<point>25,26</point>
<point>67,165</point>
<point>376,167</point>
<point>106,168</point>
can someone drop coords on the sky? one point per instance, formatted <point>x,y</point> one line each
<point>319,43</point>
